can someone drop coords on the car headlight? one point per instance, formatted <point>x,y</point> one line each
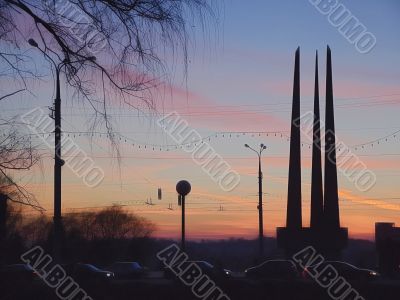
<point>373,273</point>
<point>226,272</point>
<point>108,275</point>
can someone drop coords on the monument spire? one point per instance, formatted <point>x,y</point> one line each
<point>331,203</point>
<point>317,201</point>
<point>293,220</point>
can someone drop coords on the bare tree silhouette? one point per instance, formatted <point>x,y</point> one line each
<point>36,230</point>
<point>109,223</point>
<point>128,39</point>
<point>16,154</point>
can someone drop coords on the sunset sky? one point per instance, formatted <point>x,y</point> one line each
<point>239,81</point>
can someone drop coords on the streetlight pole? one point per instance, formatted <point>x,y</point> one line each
<point>183,188</point>
<point>260,204</point>
<point>260,208</point>
<point>183,241</point>
<point>58,161</point>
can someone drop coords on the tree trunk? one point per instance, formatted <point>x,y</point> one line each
<point>3,215</point>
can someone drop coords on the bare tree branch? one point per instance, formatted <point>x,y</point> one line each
<point>11,94</point>
<point>130,39</point>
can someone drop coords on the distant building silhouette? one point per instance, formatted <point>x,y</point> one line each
<point>325,233</point>
<point>387,240</point>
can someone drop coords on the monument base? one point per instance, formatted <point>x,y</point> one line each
<point>328,242</point>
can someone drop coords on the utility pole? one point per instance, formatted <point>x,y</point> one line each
<point>58,161</point>
<point>260,200</point>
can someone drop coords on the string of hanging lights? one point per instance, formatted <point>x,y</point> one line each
<point>283,135</point>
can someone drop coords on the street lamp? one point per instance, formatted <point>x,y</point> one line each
<point>58,161</point>
<point>260,205</point>
<point>183,188</point>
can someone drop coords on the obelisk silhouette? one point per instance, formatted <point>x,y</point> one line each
<point>331,203</point>
<point>317,201</point>
<point>293,220</point>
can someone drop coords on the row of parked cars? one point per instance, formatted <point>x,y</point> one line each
<point>270,269</point>
<point>285,270</point>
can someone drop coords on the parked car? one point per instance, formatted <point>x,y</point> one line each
<point>273,269</point>
<point>17,272</point>
<point>213,271</point>
<point>88,272</point>
<point>346,270</point>
<point>207,268</point>
<point>127,270</point>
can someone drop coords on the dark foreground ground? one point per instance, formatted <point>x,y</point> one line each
<point>162,289</point>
